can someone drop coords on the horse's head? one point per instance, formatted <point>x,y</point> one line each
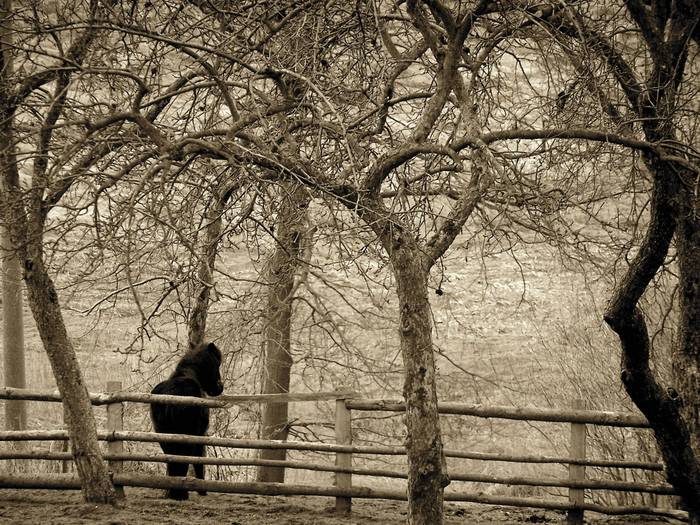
<point>204,360</point>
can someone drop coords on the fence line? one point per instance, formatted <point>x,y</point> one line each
<point>62,481</point>
<point>343,449</point>
<point>152,437</point>
<point>628,486</point>
<point>591,417</point>
<point>62,435</point>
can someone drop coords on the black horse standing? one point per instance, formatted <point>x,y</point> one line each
<point>196,374</point>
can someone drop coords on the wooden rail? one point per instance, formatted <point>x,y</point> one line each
<point>378,450</point>
<point>343,449</point>
<point>222,401</point>
<point>628,486</point>
<point>589,417</point>
<point>61,435</point>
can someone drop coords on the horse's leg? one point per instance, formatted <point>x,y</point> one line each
<point>199,450</point>
<point>177,469</point>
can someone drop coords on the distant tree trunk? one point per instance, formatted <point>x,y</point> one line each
<point>291,226</point>
<point>13,331</point>
<point>13,327</point>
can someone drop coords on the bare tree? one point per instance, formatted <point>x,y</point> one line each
<point>640,87</point>
<point>25,217</point>
<point>369,141</point>
<point>671,410</point>
<point>654,96</point>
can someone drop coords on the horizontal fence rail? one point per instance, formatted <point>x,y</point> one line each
<point>137,397</point>
<point>346,401</point>
<point>591,417</point>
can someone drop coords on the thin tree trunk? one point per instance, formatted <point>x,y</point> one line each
<point>291,227</point>
<point>205,274</point>
<point>13,327</point>
<point>13,332</point>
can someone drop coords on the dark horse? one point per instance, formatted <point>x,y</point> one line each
<point>196,374</point>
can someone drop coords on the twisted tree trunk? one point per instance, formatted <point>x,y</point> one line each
<point>672,412</point>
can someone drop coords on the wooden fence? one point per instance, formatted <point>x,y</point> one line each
<point>343,449</point>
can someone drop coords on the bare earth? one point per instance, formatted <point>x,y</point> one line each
<point>142,506</point>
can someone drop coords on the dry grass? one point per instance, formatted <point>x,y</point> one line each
<point>149,508</point>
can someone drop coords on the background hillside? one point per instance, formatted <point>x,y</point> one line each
<point>521,327</point>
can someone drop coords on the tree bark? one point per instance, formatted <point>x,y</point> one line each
<point>43,301</point>
<point>291,226</point>
<point>672,411</point>
<point>13,326</point>
<point>427,475</point>
<point>686,359</point>
<point>427,471</point>
<point>673,418</point>
<point>13,332</point>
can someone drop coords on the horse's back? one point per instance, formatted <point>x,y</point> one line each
<point>179,419</point>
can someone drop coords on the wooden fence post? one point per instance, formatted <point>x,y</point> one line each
<point>115,422</point>
<point>65,446</point>
<point>577,472</point>
<point>343,436</point>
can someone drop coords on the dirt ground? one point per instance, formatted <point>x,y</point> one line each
<point>142,506</point>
